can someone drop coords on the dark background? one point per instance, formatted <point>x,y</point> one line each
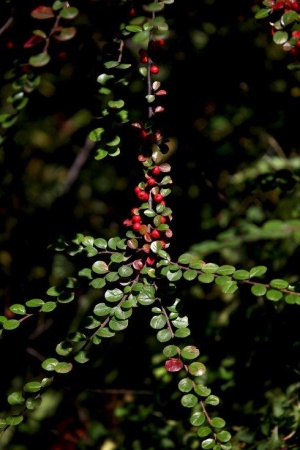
<point>231,105</point>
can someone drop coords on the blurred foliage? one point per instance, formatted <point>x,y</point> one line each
<point>231,114</point>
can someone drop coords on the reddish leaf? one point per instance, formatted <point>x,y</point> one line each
<point>65,34</point>
<point>42,12</point>
<point>34,40</point>
<point>173,365</point>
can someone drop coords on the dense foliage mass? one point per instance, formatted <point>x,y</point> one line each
<point>150,225</point>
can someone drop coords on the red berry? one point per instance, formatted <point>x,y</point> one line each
<point>137,190</point>
<point>143,134</point>
<point>156,170</point>
<point>142,195</point>
<point>136,226</point>
<point>155,234</point>
<point>151,182</point>
<point>163,219</point>
<point>158,198</point>
<point>150,260</point>
<point>136,219</point>
<point>144,59</point>
<point>154,69</point>
<point>9,44</point>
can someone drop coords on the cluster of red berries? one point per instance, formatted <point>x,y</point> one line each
<point>149,192</point>
<point>282,7</point>
<point>145,58</point>
<point>287,5</point>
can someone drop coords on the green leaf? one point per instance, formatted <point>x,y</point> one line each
<point>16,398</point>
<point>197,369</point>
<point>35,302</point>
<point>139,37</point>
<point>224,436</point>
<point>32,386</point>
<point>125,271</point>
<point>158,322</point>
<point>218,422</point>
<point>118,325</point>
<point>40,60</point>
<point>197,419</point>
<point>262,13</point>
<point>182,332</point>
<point>46,382</point>
<point>170,350</point>
<point>289,17</point>
<point>204,431</point>
<point>190,352</point>
<point>111,277</point>
<point>48,307</point>
<point>58,4</point>
<point>101,309</point>
<point>258,290</point>
<point>154,7</point>
<point>113,295</point>
<point>174,276</point>
<point>96,136</point>
<point>63,367</point>
<point>190,275</point>
<point>100,267</point>
<point>202,390</point>
<point>33,403</point>
<point>98,283</point>
<point>117,257</point>
<point>116,104</point>
<point>49,364</point>
<point>63,348</point>
<point>241,275</point>
<point>14,420</point>
<point>181,322</point>
<point>91,323</point>
<point>81,357</point>
<point>273,295</point>
<point>134,28</point>
<point>18,309</point>
<point>11,324</point>
<point>146,296</point>
<point>210,268</point>
<point>225,270</point>
<point>206,278</point>
<point>189,400</point>
<point>120,314</point>
<point>212,400</point>
<point>279,284</point>
<point>164,335</point>
<point>105,333</point>
<point>208,443</point>
<point>229,287</point>
<point>185,385</point>
<point>280,37</point>
<point>292,299</point>
<point>68,13</point>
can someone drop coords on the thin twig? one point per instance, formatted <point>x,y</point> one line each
<point>6,25</point>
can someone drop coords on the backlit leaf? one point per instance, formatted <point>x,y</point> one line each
<point>40,60</point>
<point>173,365</point>
<point>42,12</point>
